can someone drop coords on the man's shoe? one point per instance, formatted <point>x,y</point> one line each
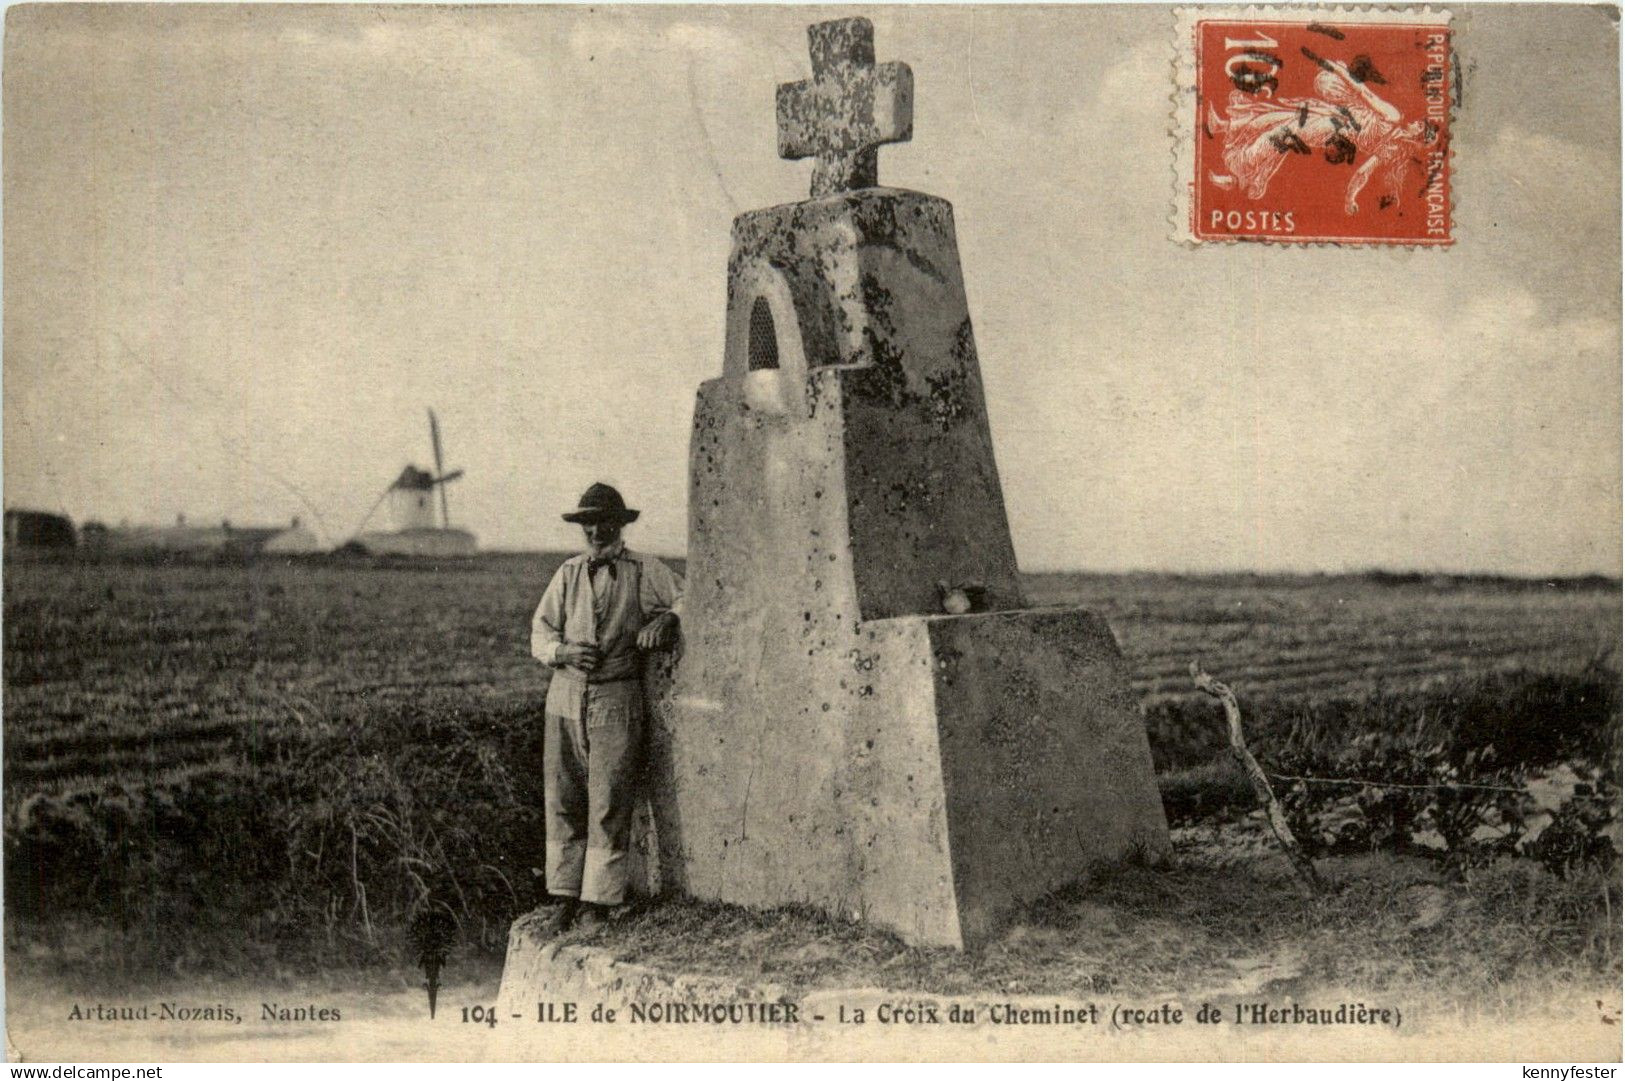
<point>592,918</point>
<point>560,916</point>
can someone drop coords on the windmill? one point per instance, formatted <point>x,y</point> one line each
<point>442,478</point>
<point>411,510</point>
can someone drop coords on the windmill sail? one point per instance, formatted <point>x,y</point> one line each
<point>440,472</point>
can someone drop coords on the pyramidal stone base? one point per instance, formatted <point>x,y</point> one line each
<point>970,764</point>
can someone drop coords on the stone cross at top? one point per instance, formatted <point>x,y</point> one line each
<point>847,110</point>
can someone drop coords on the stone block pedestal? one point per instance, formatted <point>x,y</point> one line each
<point>952,768</point>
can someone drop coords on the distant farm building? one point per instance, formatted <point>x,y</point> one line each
<point>93,534</point>
<point>38,529</point>
<point>224,540</point>
<point>295,540</point>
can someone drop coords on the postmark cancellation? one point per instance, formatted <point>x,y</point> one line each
<point>1313,125</point>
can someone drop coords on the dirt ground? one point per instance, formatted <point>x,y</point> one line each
<point>1465,964</point>
<point>383,1024</point>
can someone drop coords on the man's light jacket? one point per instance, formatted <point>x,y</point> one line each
<point>607,610</point>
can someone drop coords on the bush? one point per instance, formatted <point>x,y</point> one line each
<point>1217,790</point>
<point>1444,771</point>
<point>1576,916</point>
<point>334,840</point>
<point>1514,718</point>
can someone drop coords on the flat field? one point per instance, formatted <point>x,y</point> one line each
<point>302,754</point>
<point>128,670</point>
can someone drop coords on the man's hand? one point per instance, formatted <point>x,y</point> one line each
<point>578,655</point>
<point>658,632</point>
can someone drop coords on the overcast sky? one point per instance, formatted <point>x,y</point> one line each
<point>246,247</point>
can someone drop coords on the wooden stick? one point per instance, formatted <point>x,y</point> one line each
<point>1261,785</point>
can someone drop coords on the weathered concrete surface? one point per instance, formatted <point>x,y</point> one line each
<point>539,966</point>
<point>1044,756</point>
<point>847,110</point>
<point>831,738</point>
<point>881,388</point>
<point>930,776</point>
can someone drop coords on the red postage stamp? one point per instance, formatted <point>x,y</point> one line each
<point>1330,125</point>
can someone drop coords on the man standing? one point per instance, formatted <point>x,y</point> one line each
<point>600,609</point>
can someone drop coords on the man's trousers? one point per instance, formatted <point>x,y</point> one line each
<point>591,766</point>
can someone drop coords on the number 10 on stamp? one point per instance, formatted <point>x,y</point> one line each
<point>1311,131</point>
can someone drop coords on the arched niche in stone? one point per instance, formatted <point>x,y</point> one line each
<point>764,354</point>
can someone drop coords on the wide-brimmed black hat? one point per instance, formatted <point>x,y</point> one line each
<point>600,502</point>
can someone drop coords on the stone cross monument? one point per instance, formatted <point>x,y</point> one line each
<point>833,735</point>
<point>847,109</point>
